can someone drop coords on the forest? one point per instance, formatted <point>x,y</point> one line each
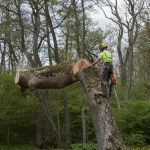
<point>62,114</point>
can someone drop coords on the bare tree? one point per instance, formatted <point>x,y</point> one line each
<point>128,24</point>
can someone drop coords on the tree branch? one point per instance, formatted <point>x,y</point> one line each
<point>57,76</point>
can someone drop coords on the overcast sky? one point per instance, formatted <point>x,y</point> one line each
<point>104,23</point>
<point>99,18</point>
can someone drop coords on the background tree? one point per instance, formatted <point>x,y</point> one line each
<point>129,24</point>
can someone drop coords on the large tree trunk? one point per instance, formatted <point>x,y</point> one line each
<point>107,134</point>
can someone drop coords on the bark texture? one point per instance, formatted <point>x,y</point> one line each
<point>54,77</point>
<point>46,77</point>
<point>107,134</point>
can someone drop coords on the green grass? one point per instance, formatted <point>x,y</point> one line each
<point>140,148</point>
<point>90,146</point>
<point>17,147</point>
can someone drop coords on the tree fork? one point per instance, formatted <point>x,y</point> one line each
<point>107,134</point>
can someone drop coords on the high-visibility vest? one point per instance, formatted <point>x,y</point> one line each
<point>106,56</point>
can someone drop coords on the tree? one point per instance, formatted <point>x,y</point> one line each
<point>128,26</point>
<point>59,76</point>
<point>142,60</point>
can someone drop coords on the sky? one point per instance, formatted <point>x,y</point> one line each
<point>101,21</point>
<point>99,18</point>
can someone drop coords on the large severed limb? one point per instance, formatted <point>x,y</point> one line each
<point>55,77</point>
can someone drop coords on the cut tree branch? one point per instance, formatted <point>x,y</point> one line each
<point>55,77</point>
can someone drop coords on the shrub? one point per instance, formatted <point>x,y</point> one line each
<point>133,120</point>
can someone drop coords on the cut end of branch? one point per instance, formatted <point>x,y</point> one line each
<point>79,65</point>
<point>17,77</point>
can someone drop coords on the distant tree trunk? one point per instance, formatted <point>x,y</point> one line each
<point>3,54</point>
<point>22,34</point>
<point>77,28</point>
<point>84,136</point>
<point>83,29</point>
<point>59,143</point>
<point>123,74</point>
<point>48,31</point>
<point>42,98</point>
<point>67,121</point>
<point>50,23</point>
<point>39,136</point>
<point>107,134</point>
<point>130,74</point>
<point>36,26</point>
<point>12,55</point>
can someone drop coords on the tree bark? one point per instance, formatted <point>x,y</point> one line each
<point>22,35</point>
<point>77,27</point>
<point>51,26</point>
<point>46,11</point>
<point>51,77</point>
<point>36,30</point>
<point>107,134</point>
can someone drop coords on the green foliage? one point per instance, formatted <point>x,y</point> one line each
<point>135,139</point>
<point>75,96</point>
<point>16,147</point>
<point>139,90</point>
<point>140,148</point>
<point>17,116</point>
<point>88,146</point>
<point>17,113</point>
<point>134,122</point>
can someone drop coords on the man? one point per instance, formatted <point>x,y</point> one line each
<point>107,72</point>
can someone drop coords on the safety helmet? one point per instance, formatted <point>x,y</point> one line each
<point>103,45</point>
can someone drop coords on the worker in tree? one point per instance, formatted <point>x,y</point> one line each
<point>107,72</point>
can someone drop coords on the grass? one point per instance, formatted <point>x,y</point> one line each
<point>17,147</point>
<point>74,147</point>
<point>140,148</point>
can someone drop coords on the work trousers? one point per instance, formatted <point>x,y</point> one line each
<point>107,72</point>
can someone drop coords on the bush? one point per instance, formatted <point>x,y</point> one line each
<point>17,113</point>
<point>133,120</point>
<point>89,146</point>
<point>135,139</point>
<point>17,147</point>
